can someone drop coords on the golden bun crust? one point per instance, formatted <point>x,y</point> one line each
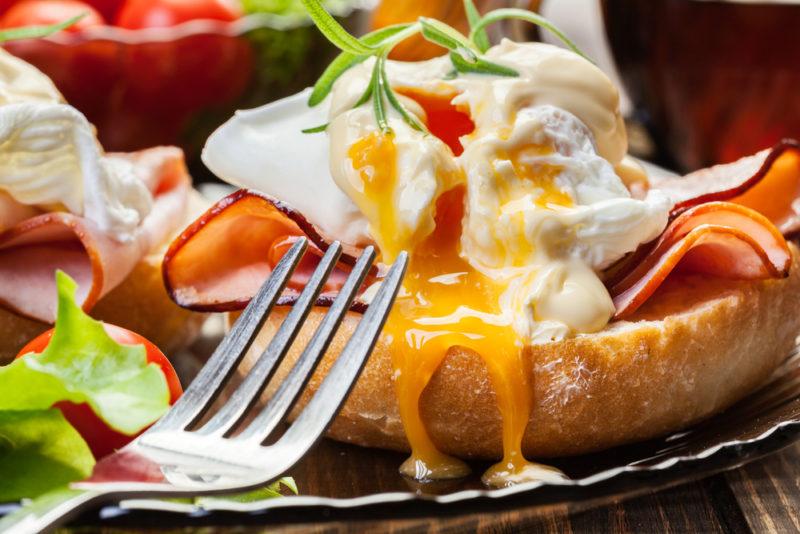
<point>695,348</point>
<point>140,303</point>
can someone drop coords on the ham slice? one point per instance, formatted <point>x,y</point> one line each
<point>717,238</point>
<point>31,250</point>
<point>768,182</point>
<point>220,261</point>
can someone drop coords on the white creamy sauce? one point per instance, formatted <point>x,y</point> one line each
<point>425,169</point>
<point>548,255</point>
<point>50,157</point>
<point>265,149</point>
<point>560,118</point>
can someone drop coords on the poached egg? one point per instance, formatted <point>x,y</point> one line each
<point>510,206</point>
<point>50,158</point>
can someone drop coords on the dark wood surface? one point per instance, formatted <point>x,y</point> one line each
<point>763,496</point>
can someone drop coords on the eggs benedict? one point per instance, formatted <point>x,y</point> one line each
<point>554,290</point>
<point>66,204</point>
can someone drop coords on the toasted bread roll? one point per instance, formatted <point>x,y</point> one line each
<point>696,347</point>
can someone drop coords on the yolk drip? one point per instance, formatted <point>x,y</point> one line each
<point>446,303</point>
<point>374,158</point>
<point>542,176</point>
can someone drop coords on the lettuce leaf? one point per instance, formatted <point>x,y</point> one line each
<point>83,364</point>
<point>39,451</point>
<point>268,492</point>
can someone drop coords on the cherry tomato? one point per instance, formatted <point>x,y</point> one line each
<point>103,440</point>
<point>107,8</point>
<point>137,14</point>
<point>5,4</point>
<point>45,12</point>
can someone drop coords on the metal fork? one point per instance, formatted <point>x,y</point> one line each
<point>173,459</point>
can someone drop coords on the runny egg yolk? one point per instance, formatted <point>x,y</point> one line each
<point>542,176</point>
<point>443,119</point>
<point>374,157</point>
<point>446,303</point>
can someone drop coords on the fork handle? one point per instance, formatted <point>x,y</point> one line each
<point>50,510</point>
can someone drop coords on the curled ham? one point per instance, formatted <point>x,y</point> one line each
<point>34,247</point>
<point>768,182</point>
<point>717,238</point>
<point>219,262</point>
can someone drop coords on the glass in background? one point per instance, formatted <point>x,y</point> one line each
<point>713,80</point>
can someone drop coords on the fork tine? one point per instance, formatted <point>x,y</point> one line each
<point>216,372</point>
<point>248,392</point>
<point>274,412</point>
<point>324,405</point>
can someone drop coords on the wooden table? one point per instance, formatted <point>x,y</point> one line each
<point>763,496</point>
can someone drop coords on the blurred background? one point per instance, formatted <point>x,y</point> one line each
<point>705,81</point>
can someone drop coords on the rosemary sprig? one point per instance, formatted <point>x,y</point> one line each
<point>528,16</point>
<point>410,118</point>
<point>315,129</point>
<point>466,54</point>
<point>346,60</point>
<point>448,37</point>
<point>334,31</point>
<point>481,39</point>
<point>378,91</point>
<point>35,32</point>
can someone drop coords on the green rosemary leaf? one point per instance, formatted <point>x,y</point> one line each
<point>346,60</point>
<point>334,31</point>
<point>410,118</point>
<point>377,95</point>
<point>338,66</point>
<point>377,37</point>
<point>440,33</point>
<point>528,16</point>
<point>481,66</point>
<point>481,39</point>
<point>316,129</point>
<point>35,32</point>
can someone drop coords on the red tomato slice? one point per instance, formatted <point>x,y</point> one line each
<point>45,12</point>
<point>103,440</point>
<point>137,14</point>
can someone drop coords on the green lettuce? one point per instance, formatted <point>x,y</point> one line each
<point>39,451</point>
<point>268,492</point>
<point>83,364</point>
